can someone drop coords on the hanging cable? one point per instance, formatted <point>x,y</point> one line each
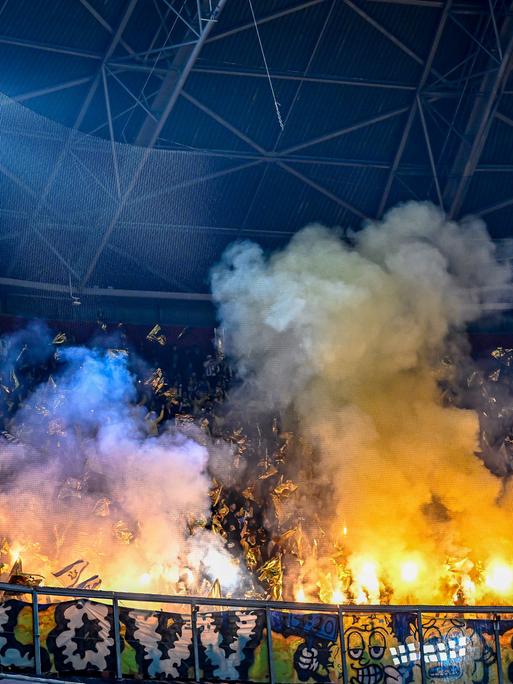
<point>276,103</point>
<point>74,299</point>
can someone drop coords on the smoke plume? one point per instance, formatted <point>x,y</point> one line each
<point>83,479</point>
<point>352,340</point>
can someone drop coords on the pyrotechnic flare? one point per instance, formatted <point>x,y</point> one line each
<point>352,341</point>
<point>81,478</point>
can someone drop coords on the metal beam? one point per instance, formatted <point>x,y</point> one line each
<point>459,7</point>
<point>258,148</point>
<point>194,181</point>
<point>269,158</point>
<point>255,604</point>
<point>468,65</point>
<point>118,115</point>
<point>413,109</point>
<point>107,291</point>
<point>87,172</point>
<point>26,188</point>
<point>344,131</point>
<point>105,24</point>
<point>324,191</point>
<point>315,141</point>
<point>165,92</point>
<point>106,96</point>
<point>223,122</point>
<point>471,57</point>
<point>307,78</point>
<point>498,42</point>
<point>163,27</point>
<point>19,182</point>
<point>153,139</point>
<point>245,72</point>
<point>448,126</point>
<point>297,93</point>
<point>478,126</point>
<point>182,18</point>
<point>134,97</point>
<point>204,297</point>
<point>159,53</point>
<point>77,123</point>
<point>388,34</point>
<point>503,204</point>
<point>379,27</point>
<point>431,4</point>
<point>159,227</point>
<point>41,92</point>
<point>505,119</point>
<point>430,152</point>
<point>341,162</point>
<point>47,47</point>
<point>475,40</point>
<point>180,61</point>
<point>265,20</point>
<point>91,93</point>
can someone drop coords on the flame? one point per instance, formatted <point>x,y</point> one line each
<point>410,570</point>
<point>171,575</point>
<point>145,579</point>
<point>366,582</point>
<point>15,551</point>
<point>217,566</point>
<point>359,578</point>
<point>499,577</point>
<point>300,595</point>
<point>338,596</point>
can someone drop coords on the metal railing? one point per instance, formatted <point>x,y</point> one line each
<point>195,602</point>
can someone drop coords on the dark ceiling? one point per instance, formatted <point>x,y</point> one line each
<point>140,137</point>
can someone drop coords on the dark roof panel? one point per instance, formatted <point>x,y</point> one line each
<point>81,192</point>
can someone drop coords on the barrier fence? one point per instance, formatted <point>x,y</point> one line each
<point>52,631</point>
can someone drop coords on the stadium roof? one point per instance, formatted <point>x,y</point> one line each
<point>141,137</point>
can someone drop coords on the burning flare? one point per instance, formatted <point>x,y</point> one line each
<point>87,480</point>
<point>357,343</point>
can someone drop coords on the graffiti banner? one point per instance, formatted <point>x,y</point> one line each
<point>77,637</point>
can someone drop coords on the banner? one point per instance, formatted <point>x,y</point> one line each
<point>78,637</point>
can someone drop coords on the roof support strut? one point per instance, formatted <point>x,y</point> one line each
<point>413,109</point>
<point>479,123</point>
<point>153,136</point>
<point>76,125</point>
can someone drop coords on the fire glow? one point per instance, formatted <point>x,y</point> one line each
<point>365,344</point>
<point>369,584</point>
<point>374,480</point>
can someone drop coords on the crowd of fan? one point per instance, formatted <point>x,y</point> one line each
<point>191,385</point>
<point>179,382</point>
<point>182,380</point>
<point>174,381</point>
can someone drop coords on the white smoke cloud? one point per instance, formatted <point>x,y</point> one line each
<point>85,476</point>
<point>352,339</point>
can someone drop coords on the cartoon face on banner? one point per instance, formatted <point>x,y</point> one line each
<point>379,649</point>
<point>459,650</point>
